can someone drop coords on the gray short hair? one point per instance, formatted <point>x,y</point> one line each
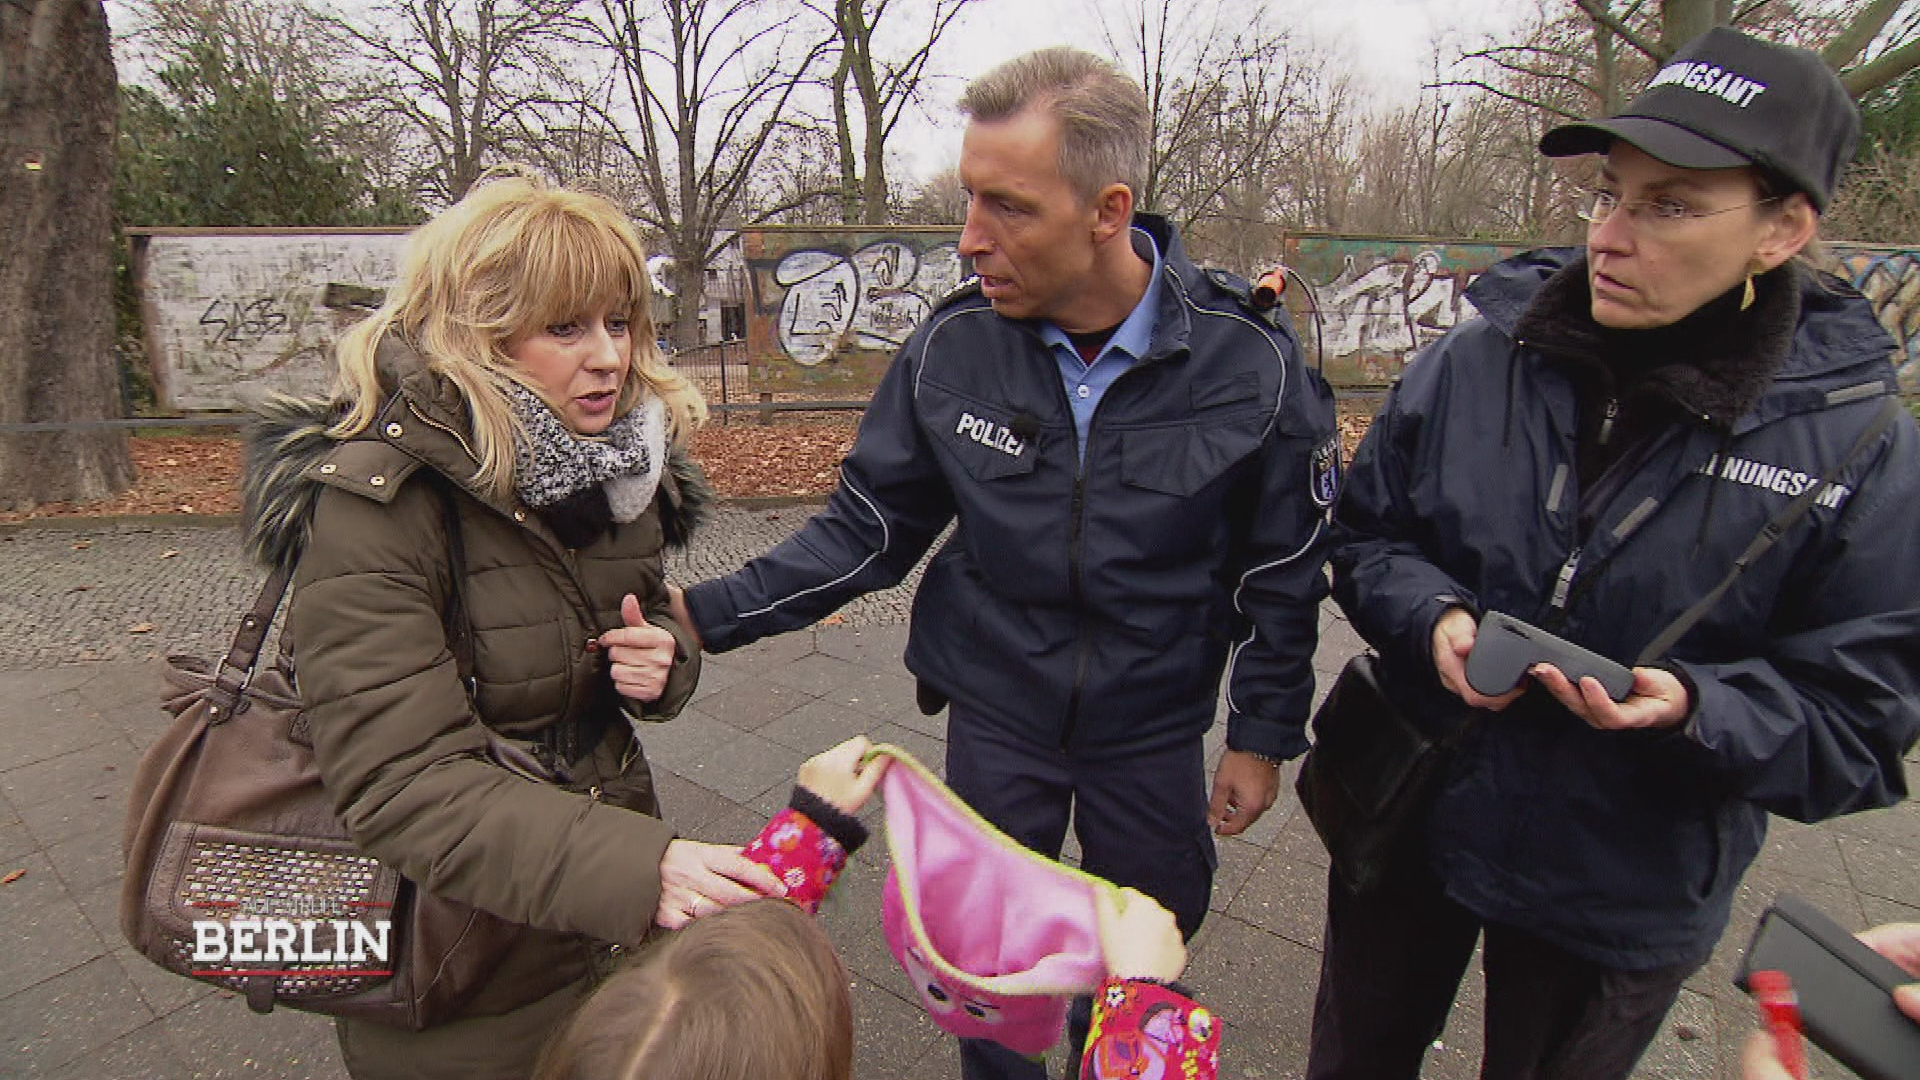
<point>1104,122</point>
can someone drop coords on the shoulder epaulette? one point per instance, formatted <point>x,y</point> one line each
<point>1241,290</point>
<point>1232,284</point>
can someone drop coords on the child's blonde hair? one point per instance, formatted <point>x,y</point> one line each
<point>755,992</point>
<point>514,255</point>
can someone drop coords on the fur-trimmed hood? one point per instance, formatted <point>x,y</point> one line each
<point>289,438</point>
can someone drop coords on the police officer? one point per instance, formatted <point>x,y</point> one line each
<point>1593,454</point>
<point>1140,468</point>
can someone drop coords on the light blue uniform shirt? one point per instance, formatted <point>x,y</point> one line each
<point>1087,383</point>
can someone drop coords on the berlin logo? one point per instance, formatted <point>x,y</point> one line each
<point>292,943</point>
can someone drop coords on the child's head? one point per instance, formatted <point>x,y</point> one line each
<point>752,993</point>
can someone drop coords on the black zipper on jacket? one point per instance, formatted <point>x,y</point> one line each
<point>1076,543</point>
<point>1083,644</point>
<point>1566,589</point>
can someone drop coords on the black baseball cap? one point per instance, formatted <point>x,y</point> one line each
<point>1726,100</point>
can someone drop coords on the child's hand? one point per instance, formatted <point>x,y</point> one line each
<point>1142,941</point>
<point>838,777</point>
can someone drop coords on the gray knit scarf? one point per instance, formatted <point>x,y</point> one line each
<point>552,464</point>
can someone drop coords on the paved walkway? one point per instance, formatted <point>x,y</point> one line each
<point>77,703</point>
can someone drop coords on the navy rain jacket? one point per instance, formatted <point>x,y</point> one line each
<point>1626,847</point>
<point>1096,606</point>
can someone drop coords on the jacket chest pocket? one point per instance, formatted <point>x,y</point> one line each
<point>1182,460</point>
<point>991,442</point>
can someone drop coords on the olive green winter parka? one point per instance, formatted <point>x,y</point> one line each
<point>404,749</point>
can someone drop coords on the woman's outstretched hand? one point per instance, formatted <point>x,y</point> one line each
<point>699,879</point>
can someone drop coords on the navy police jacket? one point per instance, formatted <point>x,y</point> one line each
<point>1626,847</point>
<point>1080,606</point>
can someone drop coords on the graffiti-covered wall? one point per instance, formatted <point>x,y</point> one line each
<point>1890,277</point>
<point>234,313</point>
<point>1381,300</point>
<point>828,307</point>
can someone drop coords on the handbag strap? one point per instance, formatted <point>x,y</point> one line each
<point>236,669</point>
<point>1770,534</point>
<point>230,679</point>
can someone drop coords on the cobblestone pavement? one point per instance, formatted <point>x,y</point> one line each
<point>76,1002</point>
<point>129,592</point>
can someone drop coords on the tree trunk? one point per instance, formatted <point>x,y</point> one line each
<point>58,106</point>
<point>1683,20</point>
<point>874,183</point>
<point>689,296</point>
<point>843,141</point>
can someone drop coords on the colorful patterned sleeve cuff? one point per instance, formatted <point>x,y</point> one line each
<point>1142,1028</point>
<point>801,855</point>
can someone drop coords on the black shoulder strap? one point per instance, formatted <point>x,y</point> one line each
<point>459,621</point>
<point>236,670</point>
<point>1770,534</point>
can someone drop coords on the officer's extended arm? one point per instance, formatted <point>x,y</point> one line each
<point>890,504</point>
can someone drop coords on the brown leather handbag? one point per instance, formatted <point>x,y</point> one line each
<point>240,874</point>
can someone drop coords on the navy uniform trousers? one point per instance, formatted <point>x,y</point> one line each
<point>1141,819</point>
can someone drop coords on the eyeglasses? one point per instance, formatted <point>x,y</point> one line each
<point>1665,213</point>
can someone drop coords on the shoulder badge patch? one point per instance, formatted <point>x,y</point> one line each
<point>1325,482</point>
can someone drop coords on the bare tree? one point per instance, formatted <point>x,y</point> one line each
<point>1223,87</point>
<point>472,81</point>
<point>1880,200</point>
<point>286,46</point>
<point>798,181</point>
<point>58,100</point>
<point>942,200</point>
<point>1870,44</point>
<point>877,87</point>
<point>698,91</point>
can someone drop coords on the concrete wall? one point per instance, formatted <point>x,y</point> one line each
<point>827,307</point>
<point>1382,299</point>
<point>235,313</point>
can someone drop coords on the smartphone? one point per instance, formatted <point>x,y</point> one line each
<point>1505,648</point>
<point>1845,989</point>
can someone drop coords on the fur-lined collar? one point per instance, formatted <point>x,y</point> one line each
<point>289,437</point>
<point>1717,373</point>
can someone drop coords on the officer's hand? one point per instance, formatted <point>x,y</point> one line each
<point>1453,638</point>
<point>1243,788</point>
<point>1658,699</point>
<point>677,607</point>
<point>641,654</point>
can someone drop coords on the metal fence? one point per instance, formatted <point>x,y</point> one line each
<point>720,372</point>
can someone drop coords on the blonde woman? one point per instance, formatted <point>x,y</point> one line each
<point>504,419</point>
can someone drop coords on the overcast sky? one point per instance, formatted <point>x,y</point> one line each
<point>1387,44</point>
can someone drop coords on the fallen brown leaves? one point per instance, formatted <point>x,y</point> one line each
<point>201,474</point>
<point>795,457</point>
<point>189,474</point>
<point>790,458</point>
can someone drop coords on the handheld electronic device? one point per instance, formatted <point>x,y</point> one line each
<point>1844,989</point>
<point>1507,647</point>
